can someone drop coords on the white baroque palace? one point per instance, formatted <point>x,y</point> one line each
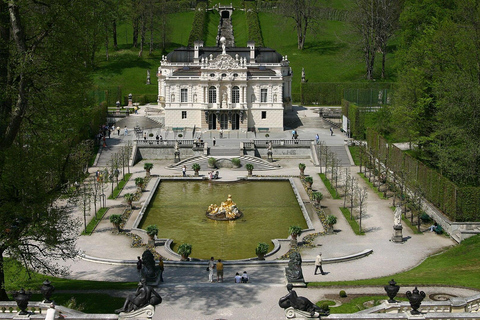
<point>219,88</point>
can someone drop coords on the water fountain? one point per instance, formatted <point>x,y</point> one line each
<point>226,211</point>
<point>179,208</point>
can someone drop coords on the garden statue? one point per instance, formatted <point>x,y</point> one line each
<point>269,152</point>
<point>294,270</point>
<point>397,216</point>
<point>299,307</point>
<point>226,211</point>
<point>143,297</point>
<point>303,75</point>
<point>397,225</point>
<point>148,76</point>
<point>149,273</point>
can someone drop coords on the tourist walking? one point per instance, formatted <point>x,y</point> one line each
<point>184,171</point>
<point>214,141</point>
<point>331,131</point>
<point>211,266</point>
<point>219,271</point>
<point>318,263</point>
<point>317,138</point>
<point>118,131</point>
<point>126,131</point>
<point>161,267</point>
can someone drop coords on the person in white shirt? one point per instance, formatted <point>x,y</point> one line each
<point>238,278</point>
<point>244,277</point>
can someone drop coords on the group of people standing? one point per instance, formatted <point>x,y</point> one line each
<point>212,265</point>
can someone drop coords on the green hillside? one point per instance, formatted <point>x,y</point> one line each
<point>330,55</point>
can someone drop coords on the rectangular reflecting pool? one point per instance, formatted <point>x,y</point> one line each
<point>179,210</point>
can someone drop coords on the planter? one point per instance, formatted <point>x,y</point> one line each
<point>249,172</point>
<point>196,173</point>
<point>261,256</point>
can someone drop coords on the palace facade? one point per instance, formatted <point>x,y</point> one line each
<point>219,88</point>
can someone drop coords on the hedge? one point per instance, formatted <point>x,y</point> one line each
<point>460,204</point>
<point>199,24</point>
<point>332,93</point>
<point>253,26</point>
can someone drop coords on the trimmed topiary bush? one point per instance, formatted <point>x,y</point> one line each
<point>342,294</point>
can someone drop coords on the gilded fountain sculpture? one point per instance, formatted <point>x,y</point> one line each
<point>226,211</point>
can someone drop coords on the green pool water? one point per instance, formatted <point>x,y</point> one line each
<point>178,209</point>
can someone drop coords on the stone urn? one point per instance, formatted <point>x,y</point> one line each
<point>47,289</point>
<point>392,290</point>
<point>415,297</point>
<point>21,297</point>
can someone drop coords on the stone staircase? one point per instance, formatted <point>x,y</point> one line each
<point>342,155</point>
<point>258,163</point>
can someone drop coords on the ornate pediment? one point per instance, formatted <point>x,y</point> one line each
<point>224,62</point>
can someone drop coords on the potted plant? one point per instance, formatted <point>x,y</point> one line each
<point>116,220</point>
<point>129,198</point>
<point>140,183</point>
<point>261,250</point>
<point>317,196</point>
<point>196,168</point>
<point>331,220</point>
<point>148,166</point>
<point>302,167</point>
<point>212,162</point>
<point>294,231</point>
<point>152,231</point>
<point>249,168</point>
<point>309,182</point>
<point>236,162</point>
<point>185,249</point>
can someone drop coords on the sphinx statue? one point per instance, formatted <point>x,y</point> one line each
<point>299,307</point>
<point>143,297</point>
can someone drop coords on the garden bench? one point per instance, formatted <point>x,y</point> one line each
<point>438,229</point>
<point>177,129</point>
<point>263,129</point>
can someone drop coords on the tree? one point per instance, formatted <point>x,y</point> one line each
<point>304,14</point>
<point>361,195</point>
<point>42,60</point>
<point>376,22</point>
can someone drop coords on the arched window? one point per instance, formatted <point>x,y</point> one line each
<point>212,95</point>
<point>235,95</point>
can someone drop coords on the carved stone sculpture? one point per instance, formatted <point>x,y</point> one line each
<point>143,296</point>
<point>148,267</point>
<point>294,270</point>
<point>299,307</point>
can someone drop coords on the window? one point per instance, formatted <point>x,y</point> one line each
<point>183,95</point>
<point>235,95</point>
<point>212,95</point>
<point>184,114</point>
<point>264,114</point>
<point>263,95</point>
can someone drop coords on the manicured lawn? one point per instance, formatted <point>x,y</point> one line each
<point>329,186</point>
<point>352,222</point>
<point>213,18</point>
<point>239,24</point>
<point>458,266</point>
<point>17,277</point>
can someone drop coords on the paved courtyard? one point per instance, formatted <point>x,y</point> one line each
<point>186,291</point>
